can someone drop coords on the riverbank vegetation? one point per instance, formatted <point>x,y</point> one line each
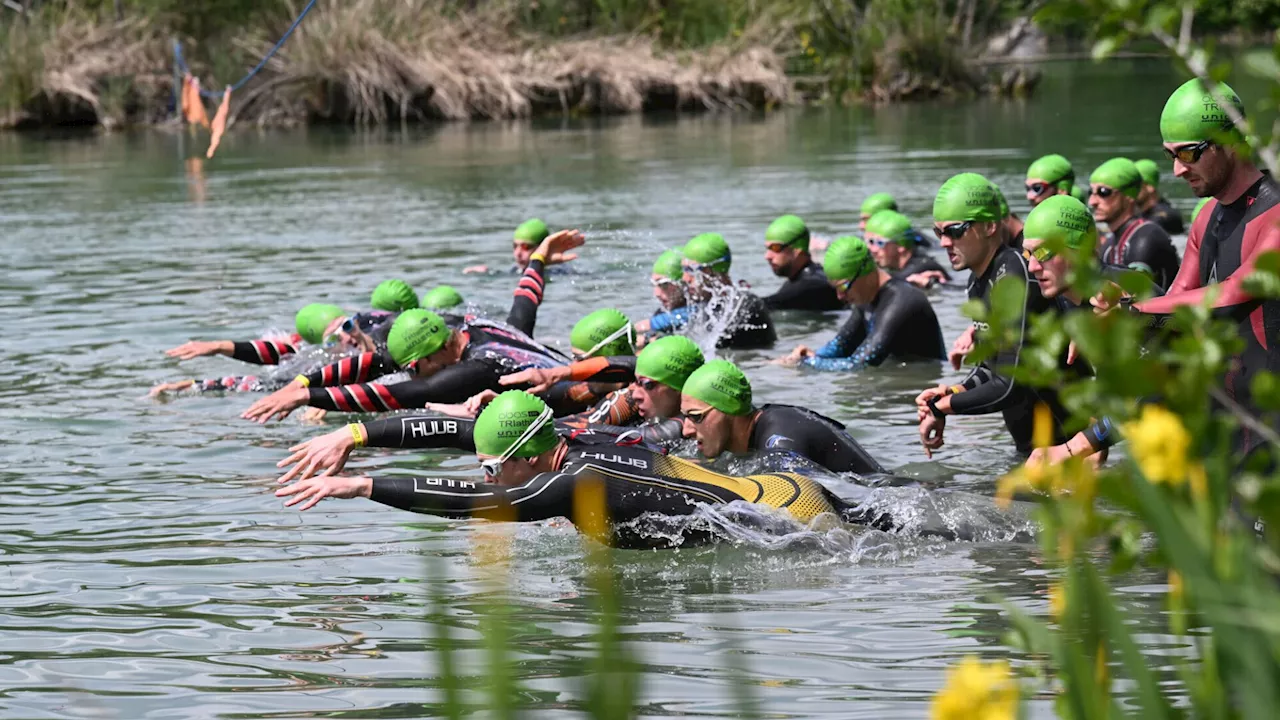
<point>358,61</point>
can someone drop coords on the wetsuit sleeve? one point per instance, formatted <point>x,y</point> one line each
<point>616,408</point>
<point>1102,434</point>
<point>230,383</point>
<point>526,298</point>
<point>815,441</point>
<point>421,432</point>
<point>893,318</point>
<point>669,320</point>
<point>991,391</point>
<point>1148,246</point>
<point>573,396</point>
<point>454,384</point>
<point>848,337</point>
<point>358,369</point>
<point>1230,292</point>
<point>262,352</point>
<point>547,495</point>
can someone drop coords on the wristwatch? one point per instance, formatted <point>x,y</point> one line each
<point>933,408</point>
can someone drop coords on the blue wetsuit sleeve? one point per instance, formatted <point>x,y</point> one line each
<point>847,338</point>
<point>669,320</point>
<point>1102,434</point>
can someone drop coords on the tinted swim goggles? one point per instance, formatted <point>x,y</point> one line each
<point>955,232</point>
<point>1187,154</point>
<point>697,416</point>
<point>493,466</point>
<point>348,326</point>
<point>1037,188</point>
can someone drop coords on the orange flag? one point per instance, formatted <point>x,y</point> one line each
<point>195,104</point>
<point>220,122</point>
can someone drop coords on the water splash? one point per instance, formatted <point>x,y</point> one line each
<point>722,314</point>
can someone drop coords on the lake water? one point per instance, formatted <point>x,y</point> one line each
<point>146,571</point>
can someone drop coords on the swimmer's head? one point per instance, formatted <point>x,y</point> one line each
<point>966,219</point>
<point>1059,233</point>
<point>1114,189</point>
<point>715,398</point>
<point>786,243</point>
<point>442,297</point>
<point>891,239</point>
<point>526,239</point>
<point>851,268</point>
<point>662,368</point>
<point>603,333</point>
<point>1201,138</point>
<point>393,296</point>
<point>312,320</point>
<point>1048,176</point>
<point>874,204</point>
<point>511,434</point>
<point>668,287</point>
<point>416,340</point>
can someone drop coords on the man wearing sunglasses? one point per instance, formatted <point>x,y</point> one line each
<point>718,412</point>
<point>448,360</point>
<point>893,244</point>
<point>657,376</point>
<point>1152,204</point>
<point>966,216</point>
<point>532,473</point>
<point>1050,175</point>
<point>717,302</point>
<point>888,318</point>
<point>1113,197</point>
<point>786,243</point>
<point>524,244</point>
<point>1241,222</point>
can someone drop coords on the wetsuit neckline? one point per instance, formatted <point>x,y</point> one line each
<point>1251,190</point>
<point>798,273</point>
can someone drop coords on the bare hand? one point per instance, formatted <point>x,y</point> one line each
<point>1051,455</point>
<point>931,433</point>
<point>795,357</point>
<point>1072,353</point>
<point>475,269</point>
<point>476,403</point>
<point>922,400</point>
<point>555,248</point>
<point>314,416</point>
<point>200,348</point>
<point>926,278</point>
<point>961,347</point>
<point>313,490</point>
<point>170,387</point>
<point>328,453</point>
<point>278,404</point>
<point>458,410</point>
<point>538,378</point>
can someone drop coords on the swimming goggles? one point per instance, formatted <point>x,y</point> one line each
<point>1187,154</point>
<point>493,466</point>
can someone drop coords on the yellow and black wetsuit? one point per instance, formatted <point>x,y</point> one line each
<point>637,482</point>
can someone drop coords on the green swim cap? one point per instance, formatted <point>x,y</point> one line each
<point>709,249</point>
<point>1118,174</point>
<point>443,296</point>
<point>1199,206</point>
<point>668,265</point>
<point>1001,201</point>
<point>1149,171</point>
<point>313,319</point>
<point>416,334</point>
<point>1081,193</point>
<point>1053,169</point>
<point>506,419</point>
<point>531,232</point>
<point>720,384</point>
<point>1191,115</point>
<point>393,296</point>
<point>967,196</point>
<point>892,226</point>
<point>788,230</point>
<point>603,333</point>
<point>1062,219</point>
<point>669,360</point>
<point>848,258</point>
<point>877,202</point>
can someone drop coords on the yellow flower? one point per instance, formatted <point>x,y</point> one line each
<point>1175,587</point>
<point>1158,443</point>
<point>1072,477</point>
<point>1057,601</point>
<point>977,691</point>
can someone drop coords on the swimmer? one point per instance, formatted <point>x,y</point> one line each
<point>786,244</point>
<point>1114,190</point>
<point>524,243</point>
<point>893,243</point>
<point>888,318</point>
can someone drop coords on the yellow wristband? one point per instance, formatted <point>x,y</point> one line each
<point>356,434</point>
<point>539,257</point>
<point>303,379</point>
<point>955,389</point>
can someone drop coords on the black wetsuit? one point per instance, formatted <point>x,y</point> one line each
<point>986,390</point>
<point>640,486</point>
<point>750,328</point>
<point>806,290</point>
<point>492,350</point>
<point>1166,216</point>
<point>918,263</point>
<point>899,323</point>
<point>1140,240</point>
<point>374,323</point>
<point>1223,242</point>
<point>803,432</point>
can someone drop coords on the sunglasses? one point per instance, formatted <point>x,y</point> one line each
<point>955,232</point>
<point>844,285</point>
<point>493,466</point>
<point>1102,192</point>
<point>1041,254</point>
<point>697,416</point>
<point>1188,154</point>
<point>647,385</point>
<point>1037,188</point>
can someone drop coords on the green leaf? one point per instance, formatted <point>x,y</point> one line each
<point>1262,63</point>
<point>1105,47</point>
